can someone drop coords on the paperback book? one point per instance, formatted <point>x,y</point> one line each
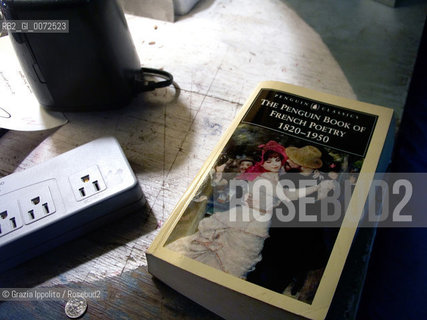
<point>266,227</point>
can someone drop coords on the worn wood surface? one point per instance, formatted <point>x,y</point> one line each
<point>217,54</point>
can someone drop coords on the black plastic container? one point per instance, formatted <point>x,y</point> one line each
<point>91,67</point>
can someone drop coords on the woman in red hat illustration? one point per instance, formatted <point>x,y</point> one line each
<point>296,269</point>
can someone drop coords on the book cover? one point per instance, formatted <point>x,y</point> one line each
<point>267,224</point>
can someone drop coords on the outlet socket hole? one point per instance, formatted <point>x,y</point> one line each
<point>45,207</point>
<point>96,185</point>
<point>31,214</point>
<point>36,200</point>
<point>3,215</point>
<point>13,222</point>
<point>82,192</point>
<point>85,178</point>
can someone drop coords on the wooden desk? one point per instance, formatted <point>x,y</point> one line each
<point>217,55</point>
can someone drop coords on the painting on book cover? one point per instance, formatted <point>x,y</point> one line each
<point>271,206</point>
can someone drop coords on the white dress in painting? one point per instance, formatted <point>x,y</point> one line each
<point>232,240</point>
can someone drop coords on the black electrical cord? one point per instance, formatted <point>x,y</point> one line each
<point>141,84</point>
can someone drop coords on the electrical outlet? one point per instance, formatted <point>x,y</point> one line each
<point>36,202</point>
<point>63,198</point>
<point>10,217</point>
<point>87,183</point>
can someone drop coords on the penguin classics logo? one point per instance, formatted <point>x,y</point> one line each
<point>315,106</point>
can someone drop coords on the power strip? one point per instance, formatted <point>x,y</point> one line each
<point>63,198</point>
